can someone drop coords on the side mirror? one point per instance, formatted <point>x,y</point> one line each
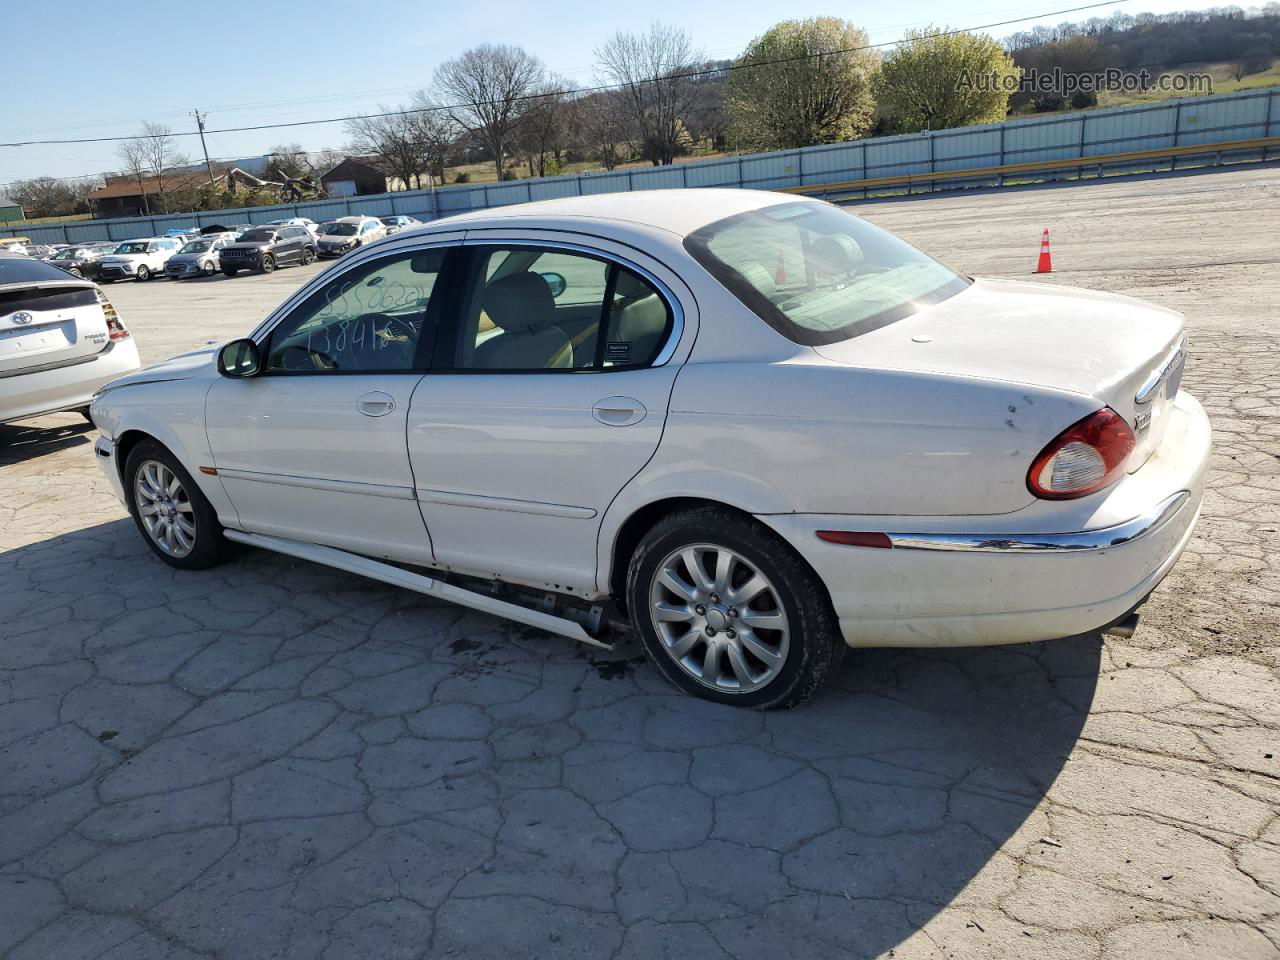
<point>556,282</point>
<point>239,358</point>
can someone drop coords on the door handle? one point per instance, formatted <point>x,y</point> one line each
<point>376,404</point>
<point>618,411</point>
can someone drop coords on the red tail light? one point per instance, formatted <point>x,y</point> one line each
<point>115,326</point>
<point>1083,459</point>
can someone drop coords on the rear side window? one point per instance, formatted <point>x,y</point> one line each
<point>25,270</point>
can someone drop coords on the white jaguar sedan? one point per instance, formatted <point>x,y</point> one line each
<point>757,427</point>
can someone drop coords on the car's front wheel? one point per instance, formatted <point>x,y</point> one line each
<point>208,269</point>
<point>144,273</point>
<point>268,263</point>
<point>308,256</point>
<point>728,611</point>
<point>173,515</point>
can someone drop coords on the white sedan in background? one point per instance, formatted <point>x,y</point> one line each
<point>756,427</point>
<point>60,340</point>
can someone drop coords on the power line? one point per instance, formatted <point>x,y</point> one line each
<point>600,88</point>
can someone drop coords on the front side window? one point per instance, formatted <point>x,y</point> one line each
<point>376,318</point>
<point>817,274</point>
<point>530,308</point>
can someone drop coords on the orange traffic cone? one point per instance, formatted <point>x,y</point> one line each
<point>1045,264</point>
<point>780,271</point>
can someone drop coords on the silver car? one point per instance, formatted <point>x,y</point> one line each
<point>197,258</point>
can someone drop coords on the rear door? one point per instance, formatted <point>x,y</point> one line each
<point>549,392</point>
<point>50,325</point>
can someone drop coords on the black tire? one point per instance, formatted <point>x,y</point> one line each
<point>210,546</point>
<point>229,272</point>
<point>308,256</point>
<point>816,647</point>
<point>268,264</point>
<point>208,269</point>
<point>143,274</point>
<point>75,272</point>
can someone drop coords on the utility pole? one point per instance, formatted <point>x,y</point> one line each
<point>200,124</point>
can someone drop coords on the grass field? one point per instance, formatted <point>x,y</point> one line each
<point>1223,82</point>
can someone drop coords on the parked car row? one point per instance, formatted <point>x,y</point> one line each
<point>181,254</point>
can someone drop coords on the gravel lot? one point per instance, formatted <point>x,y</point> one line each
<point>274,760</point>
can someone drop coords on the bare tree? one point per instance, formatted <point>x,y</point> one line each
<point>602,127</point>
<point>290,161</point>
<point>161,153</point>
<point>392,143</point>
<point>489,87</point>
<point>437,133</point>
<point>133,154</point>
<point>544,128</point>
<point>650,68</point>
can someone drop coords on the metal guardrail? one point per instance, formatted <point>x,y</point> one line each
<point>1146,136</point>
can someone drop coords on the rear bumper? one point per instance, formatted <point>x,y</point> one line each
<point>942,585</point>
<point>26,395</point>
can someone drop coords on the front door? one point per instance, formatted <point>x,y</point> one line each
<point>313,448</point>
<point>548,395</point>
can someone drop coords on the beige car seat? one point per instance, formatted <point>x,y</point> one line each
<point>522,307</point>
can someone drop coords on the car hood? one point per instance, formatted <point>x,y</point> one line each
<point>124,258</point>
<point>335,238</point>
<point>182,367</point>
<point>1100,345</point>
<point>181,258</point>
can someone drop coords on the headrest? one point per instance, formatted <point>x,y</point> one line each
<point>631,286</point>
<point>519,301</point>
<point>758,275</point>
<point>835,253</point>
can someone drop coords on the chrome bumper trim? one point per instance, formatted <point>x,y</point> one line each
<point>1099,539</point>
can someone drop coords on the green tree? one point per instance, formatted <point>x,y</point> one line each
<point>934,80</point>
<point>802,82</point>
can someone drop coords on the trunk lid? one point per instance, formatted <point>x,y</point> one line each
<point>1105,346</point>
<point>49,324</point>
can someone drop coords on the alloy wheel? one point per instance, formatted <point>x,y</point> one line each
<point>719,618</point>
<point>164,508</point>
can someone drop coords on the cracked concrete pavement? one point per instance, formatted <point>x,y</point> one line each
<point>271,759</point>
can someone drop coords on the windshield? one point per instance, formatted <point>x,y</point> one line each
<point>339,229</point>
<point>257,236</point>
<point>197,246</point>
<point>139,246</point>
<point>817,274</point>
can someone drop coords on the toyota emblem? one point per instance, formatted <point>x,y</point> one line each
<point>22,318</point>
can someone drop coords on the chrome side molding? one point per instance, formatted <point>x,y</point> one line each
<point>1099,539</point>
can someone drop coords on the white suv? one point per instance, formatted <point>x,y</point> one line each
<point>138,259</point>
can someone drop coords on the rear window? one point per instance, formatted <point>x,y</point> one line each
<point>46,298</point>
<point>817,274</point>
<point>26,270</point>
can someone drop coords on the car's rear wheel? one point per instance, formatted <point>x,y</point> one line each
<point>728,611</point>
<point>173,516</point>
<point>308,256</point>
<point>268,263</point>
<point>75,272</point>
<point>144,273</point>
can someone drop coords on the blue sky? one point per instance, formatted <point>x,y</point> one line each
<point>102,73</point>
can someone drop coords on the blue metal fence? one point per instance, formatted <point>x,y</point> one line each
<point>1170,124</point>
